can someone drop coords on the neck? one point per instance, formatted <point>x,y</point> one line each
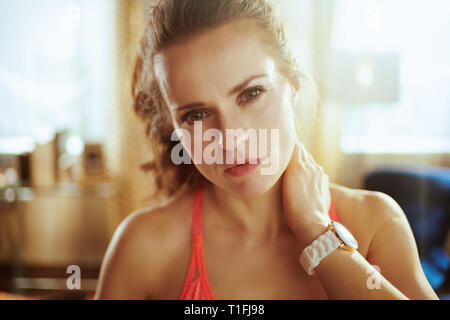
<point>259,216</point>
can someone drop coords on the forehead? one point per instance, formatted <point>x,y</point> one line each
<point>212,62</point>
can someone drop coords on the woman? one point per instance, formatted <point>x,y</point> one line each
<point>233,232</point>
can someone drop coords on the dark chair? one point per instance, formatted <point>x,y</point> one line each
<point>423,192</point>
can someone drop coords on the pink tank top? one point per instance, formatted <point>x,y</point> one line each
<point>196,285</point>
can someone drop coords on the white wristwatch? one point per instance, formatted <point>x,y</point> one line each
<point>337,236</point>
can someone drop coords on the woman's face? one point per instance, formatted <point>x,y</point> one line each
<point>226,80</point>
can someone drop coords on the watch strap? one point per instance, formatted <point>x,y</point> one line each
<point>317,250</point>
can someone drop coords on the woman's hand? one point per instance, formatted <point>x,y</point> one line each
<point>306,196</point>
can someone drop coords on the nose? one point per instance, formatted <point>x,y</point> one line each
<point>236,136</point>
<point>233,146</point>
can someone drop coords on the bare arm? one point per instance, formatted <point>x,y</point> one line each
<point>393,250</point>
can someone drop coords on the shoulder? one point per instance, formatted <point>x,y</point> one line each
<point>371,204</point>
<point>364,212</point>
<point>142,246</point>
<point>378,222</point>
<point>161,221</point>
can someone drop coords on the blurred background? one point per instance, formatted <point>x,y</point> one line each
<point>71,147</point>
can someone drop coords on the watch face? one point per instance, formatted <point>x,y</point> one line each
<point>345,235</point>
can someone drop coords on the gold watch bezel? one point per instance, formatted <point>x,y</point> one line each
<point>342,244</point>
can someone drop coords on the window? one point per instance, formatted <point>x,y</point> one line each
<point>55,70</point>
<point>418,32</point>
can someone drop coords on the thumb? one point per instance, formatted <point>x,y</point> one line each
<point>297,157</point>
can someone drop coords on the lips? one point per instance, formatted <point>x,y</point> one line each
<point>235,164</point>
<point>239,170</point>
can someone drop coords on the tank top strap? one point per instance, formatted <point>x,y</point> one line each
<point>332,212</point>
<point>197,214</point>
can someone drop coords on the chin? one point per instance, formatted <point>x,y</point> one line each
<point>251,185</point>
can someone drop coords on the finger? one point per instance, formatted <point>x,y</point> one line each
<point>297,157</point>
<point>305,157</point>
<point>302,155</point>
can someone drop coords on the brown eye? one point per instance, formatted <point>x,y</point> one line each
<point>249,95</point>
<point>192,116</point>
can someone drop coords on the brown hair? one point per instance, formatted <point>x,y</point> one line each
<point>172,21</point>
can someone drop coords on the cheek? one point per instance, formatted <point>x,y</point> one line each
<point>196,148</point>
<point>279,115</point>
<point>288,133</point>
<point>192,144</point>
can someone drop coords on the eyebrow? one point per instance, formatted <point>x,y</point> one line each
<point>234,90</point>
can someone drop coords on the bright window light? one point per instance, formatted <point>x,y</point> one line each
<point>417,31</point>
<point>56,66</point>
